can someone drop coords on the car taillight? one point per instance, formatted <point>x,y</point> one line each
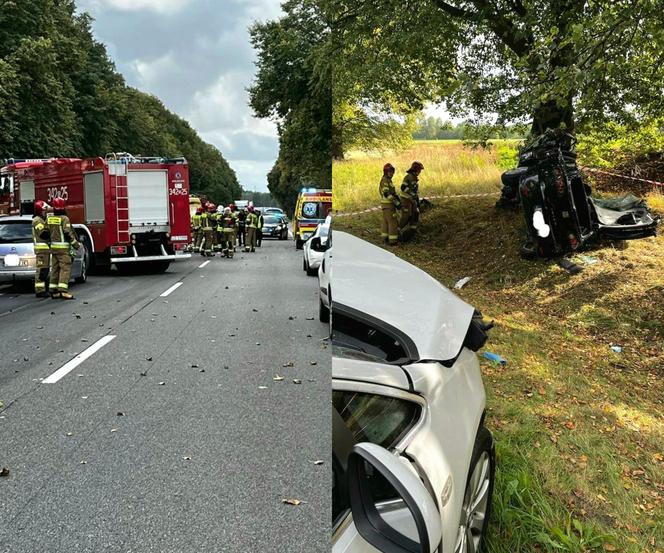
<point>118,250</point>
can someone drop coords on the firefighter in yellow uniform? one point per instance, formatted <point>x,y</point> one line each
<point>41,239</point>
<point>207,227</point>
<point>196,232</point>
<point>229,230</point>
<point>252,225</point>
<point>410,200</point>
<point>389,203</point>
<point>63,239</point>
<point>219,230</point>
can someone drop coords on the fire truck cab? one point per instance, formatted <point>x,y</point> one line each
<point>129,211</point>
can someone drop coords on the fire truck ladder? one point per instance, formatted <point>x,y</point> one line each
<point>118,168</point>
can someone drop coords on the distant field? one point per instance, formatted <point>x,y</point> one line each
<point>449,168</point>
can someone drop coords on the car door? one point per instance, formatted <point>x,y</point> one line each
<point>377,414</point>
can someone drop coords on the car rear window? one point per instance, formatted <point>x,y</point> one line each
<point>14,232</point>
<point>270,220</point>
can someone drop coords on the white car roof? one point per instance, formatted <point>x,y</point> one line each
<point>376,283</point>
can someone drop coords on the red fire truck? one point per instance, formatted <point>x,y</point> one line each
<point>129,211</point>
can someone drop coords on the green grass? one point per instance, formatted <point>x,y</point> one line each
<point>579,428</point>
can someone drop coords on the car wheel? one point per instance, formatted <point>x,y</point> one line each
<point>311,272</point>
<point>323,312</point>
<point>476,508</point>
<point>298,244</point>
<point>83,277</point>
<point>304,265</point>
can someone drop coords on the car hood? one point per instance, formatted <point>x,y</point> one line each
<point>376,283</point>
<point>18,249</point>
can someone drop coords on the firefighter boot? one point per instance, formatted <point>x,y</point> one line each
<point>66,295</point>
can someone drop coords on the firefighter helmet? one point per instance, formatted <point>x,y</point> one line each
<point>59,203</point>
<point>40,207</point>
<point>227,210</point>
<point>417,166</point>
<point>233,207</point>
<point>211,208</point>
<point>388,167</point>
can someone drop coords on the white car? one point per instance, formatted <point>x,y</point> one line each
<point>315,247</point>
<point>324,276</point>
<point>413,463</point>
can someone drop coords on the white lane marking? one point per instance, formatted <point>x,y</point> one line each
<point>171,290</point>
<point>200,266</point>
<point>76,361</point>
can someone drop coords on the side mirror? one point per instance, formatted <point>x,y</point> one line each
<point>315,244</point>
<point>417,499</point>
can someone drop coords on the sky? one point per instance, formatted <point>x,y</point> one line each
<point>195,56</point>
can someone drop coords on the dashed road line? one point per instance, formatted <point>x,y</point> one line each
<point>200,266</point>
<point>76,361</point>
<point>171,289</point>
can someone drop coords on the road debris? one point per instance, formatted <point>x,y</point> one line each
<point>278,378</point>
<point>495,358</point>
<point>295,502</point>
<point>4,472</point>
<point>461,283</point>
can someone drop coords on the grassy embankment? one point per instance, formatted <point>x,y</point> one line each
<point>579,428</point>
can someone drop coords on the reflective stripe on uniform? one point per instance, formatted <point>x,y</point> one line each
<point>63,286</point>
<point>60,245</point>
<point>41,246</point>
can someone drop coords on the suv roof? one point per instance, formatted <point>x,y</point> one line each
<point>374,285</point>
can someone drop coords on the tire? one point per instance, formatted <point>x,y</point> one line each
<point>304,265</point>
<point>323,312</point>
<point>480,480</point>
<point>298,244</point>
<point>83,277</point>
<point>311,272</point>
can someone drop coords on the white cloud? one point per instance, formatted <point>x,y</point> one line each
<point>159,6</point>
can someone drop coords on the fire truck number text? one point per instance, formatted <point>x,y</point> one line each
<point>58,192</point>
<point>179,192</point>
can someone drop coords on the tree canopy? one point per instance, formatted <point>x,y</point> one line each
<point>60,96</point>
<point>293,87</point>
<point>554,62</point>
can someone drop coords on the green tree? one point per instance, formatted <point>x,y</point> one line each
<point>293,87</point>
<point>555,62</point>
<point>60,95</point>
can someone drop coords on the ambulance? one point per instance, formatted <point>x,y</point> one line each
<point>312,207</point>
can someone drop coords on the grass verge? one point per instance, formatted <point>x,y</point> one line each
<point>579,427</point>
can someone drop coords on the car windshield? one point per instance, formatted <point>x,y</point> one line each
<point>324,231</point>
<point>14,232</point>
<point>270,220</point>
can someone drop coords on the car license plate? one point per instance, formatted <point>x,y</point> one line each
<point>12,260</point>
<point>307,235</point>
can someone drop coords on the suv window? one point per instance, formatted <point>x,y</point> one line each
<point>349,334</point>
<point>366,417</point>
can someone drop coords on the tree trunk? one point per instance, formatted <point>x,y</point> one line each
<point>550,115</point>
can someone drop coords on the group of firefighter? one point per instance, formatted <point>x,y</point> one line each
<point>401,210</point>
<point>55,244</point>
<point>218,230</point>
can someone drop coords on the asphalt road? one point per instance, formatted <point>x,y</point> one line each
<point>208,445</point>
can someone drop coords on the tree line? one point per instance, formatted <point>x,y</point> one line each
<point>293,87</point>
<point>61,96</point>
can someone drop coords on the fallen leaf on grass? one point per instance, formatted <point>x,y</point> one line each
<point>278,378</point>
<point>570,425</point>
<point>291,501</point>
<point>609,547</point>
